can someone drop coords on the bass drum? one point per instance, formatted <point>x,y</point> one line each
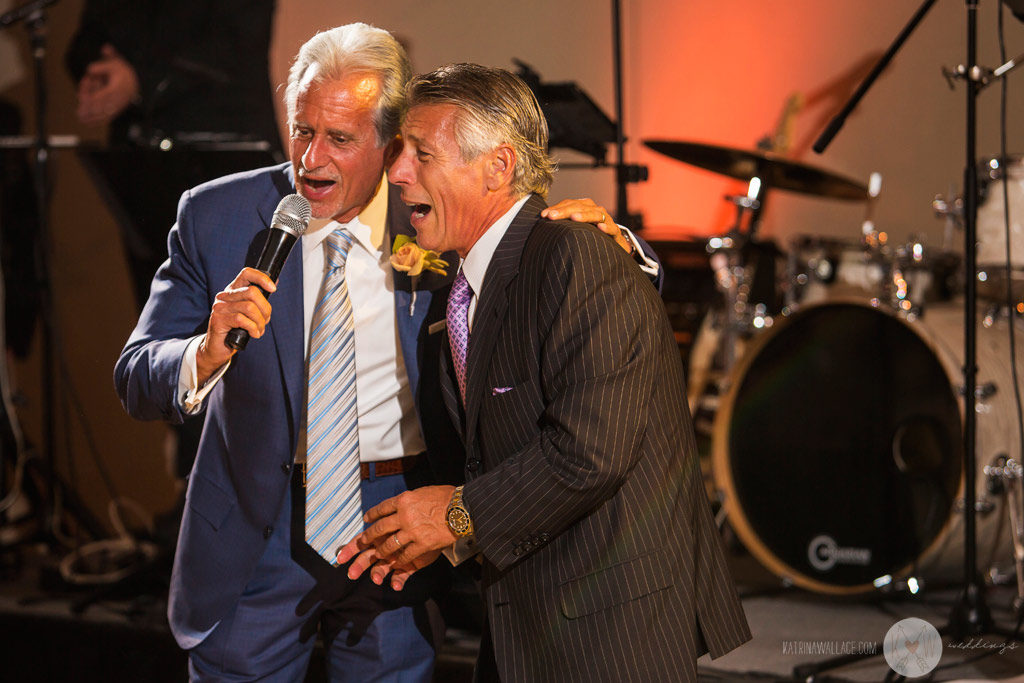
<point>839,445</point>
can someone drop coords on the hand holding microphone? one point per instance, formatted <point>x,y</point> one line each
<point>241,311</point>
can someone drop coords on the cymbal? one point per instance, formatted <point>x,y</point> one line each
<point>774,171</point>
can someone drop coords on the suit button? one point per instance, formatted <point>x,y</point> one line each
<point>286,467</point>
<point>544,538</point>
<point>267,531</point>
<point>473,465</point>
<point>517,551</point>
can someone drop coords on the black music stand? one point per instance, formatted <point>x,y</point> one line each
<point>574,120</point>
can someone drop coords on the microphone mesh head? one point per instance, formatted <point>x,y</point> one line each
<point>293,213</point>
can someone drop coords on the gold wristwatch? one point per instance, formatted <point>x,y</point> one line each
<point>457,516</point>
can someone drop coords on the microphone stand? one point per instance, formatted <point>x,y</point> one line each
<point>624,173</point>
<point>34,17</point>
<point>970,616</point>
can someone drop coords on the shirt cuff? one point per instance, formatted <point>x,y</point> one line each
<point>646,264</point>
<point>463,549</point>
<point>190,394</point>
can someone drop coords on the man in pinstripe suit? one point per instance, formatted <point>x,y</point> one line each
<point>582,499</point>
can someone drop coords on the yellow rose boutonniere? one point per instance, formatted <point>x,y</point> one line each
<point>409,257</point>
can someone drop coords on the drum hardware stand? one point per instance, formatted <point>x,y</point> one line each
<point>1014,474</point>
<point>971,615</point>
<point>1005,478</point>
<point>732,277</point>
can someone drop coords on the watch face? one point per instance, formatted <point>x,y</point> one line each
<point>458,520</point>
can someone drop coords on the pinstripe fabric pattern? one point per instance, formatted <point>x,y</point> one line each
<point>601,559</point>
<point>333,504</point>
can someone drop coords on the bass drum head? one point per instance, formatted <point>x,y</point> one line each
<point>838,447</point>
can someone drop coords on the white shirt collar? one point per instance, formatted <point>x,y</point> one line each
<point>479,256</point>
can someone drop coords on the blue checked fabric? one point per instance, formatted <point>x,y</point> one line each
<point>457,315</point>
<point>333,503</point>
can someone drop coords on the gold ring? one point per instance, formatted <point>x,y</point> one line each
<point>397,542</point>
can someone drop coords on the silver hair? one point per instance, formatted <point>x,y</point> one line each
<point>355,49</point>
<point>494,106</point>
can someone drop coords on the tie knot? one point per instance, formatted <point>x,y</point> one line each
<point>461,291</point>
<point>338,244</point>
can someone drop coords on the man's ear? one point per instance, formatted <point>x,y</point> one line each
<point>501,169</point>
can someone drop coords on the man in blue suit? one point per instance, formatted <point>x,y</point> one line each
<point>247,594</point>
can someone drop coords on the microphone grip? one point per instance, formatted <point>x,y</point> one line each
<point>237,338</point>
<point>271,261</point>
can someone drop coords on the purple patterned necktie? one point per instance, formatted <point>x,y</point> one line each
<point>457,315</point>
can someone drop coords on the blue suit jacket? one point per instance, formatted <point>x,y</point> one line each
<point>242,469</point>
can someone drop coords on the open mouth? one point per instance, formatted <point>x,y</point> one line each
<point>420,210</point>
<point>317,184</point>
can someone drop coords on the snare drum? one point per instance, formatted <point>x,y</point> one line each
<point>839,444</point>
<point>820,268</point>
<point>922,275</point>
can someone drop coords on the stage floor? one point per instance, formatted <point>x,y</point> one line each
<point>52,635</point>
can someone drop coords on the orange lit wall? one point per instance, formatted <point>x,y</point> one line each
<point>721,72</point>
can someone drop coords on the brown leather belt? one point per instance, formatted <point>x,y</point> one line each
<point>386,468</point>
<point>380,468</point>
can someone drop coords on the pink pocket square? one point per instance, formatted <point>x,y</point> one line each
<point>500,390</point>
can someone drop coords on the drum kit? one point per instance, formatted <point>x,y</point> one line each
<point>833,396</point>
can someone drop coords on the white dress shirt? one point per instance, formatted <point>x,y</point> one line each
<point>474,266</point>
<point>388,423</point>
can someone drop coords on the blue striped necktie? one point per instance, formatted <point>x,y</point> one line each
<point>333,504</point>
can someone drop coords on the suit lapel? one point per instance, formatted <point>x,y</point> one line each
<point>449,390</point>
<point>286,324</point>
<point>491,306</point>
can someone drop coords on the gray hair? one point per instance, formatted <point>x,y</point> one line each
<point>494,106</point>
<point>355,49</point>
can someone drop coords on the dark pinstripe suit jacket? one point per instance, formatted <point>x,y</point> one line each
<point>601,561</point>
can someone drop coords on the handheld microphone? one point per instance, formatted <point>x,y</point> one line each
<point>289,222</point>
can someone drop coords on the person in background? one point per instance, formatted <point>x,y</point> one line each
<point>152,69</point>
